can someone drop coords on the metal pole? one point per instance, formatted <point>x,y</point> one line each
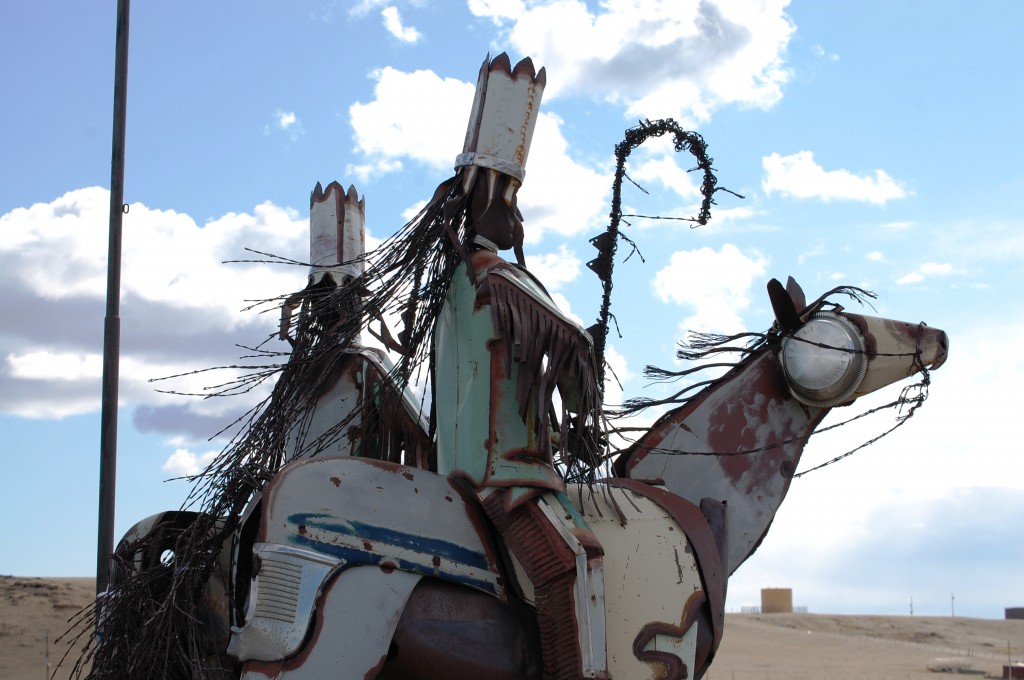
<point>112,321</point>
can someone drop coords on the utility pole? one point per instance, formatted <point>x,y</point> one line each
<point>112,321</point>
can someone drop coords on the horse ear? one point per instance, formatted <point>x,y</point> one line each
<point>797,293</point>
<point>782,303</point>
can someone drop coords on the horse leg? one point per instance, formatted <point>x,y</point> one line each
<point>355,619</point>
<point>448,632</point>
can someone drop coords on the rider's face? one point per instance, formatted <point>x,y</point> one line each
<point>495,214</point>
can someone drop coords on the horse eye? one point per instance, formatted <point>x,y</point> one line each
<point>824,361</point>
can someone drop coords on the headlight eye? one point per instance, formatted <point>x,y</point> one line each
<point>824,361</point>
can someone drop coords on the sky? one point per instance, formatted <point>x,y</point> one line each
<point>874,143</point>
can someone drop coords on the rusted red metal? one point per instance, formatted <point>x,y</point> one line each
<point>450,633</point>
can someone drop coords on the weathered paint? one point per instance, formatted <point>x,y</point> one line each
<point>651,571</point>
<point>741,439</point>
<point>746,412</point>
<point>355,620</point>
<point>380,513</point>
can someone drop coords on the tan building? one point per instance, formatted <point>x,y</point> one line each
<point>776,600</point>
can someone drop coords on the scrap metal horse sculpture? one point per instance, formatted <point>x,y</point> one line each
<point>358,568</point>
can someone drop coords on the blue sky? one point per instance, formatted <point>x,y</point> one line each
<point>875,143</point>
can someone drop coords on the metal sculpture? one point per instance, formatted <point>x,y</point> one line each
<point>346,535</point>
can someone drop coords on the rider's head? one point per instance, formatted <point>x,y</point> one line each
<point>498,137</point>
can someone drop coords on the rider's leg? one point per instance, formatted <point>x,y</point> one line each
<point>563,561</point>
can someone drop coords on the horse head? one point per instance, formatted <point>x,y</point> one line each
<point>830,356</point>
<point>740,438</point>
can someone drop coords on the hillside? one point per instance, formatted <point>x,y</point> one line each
<point>33,612</point>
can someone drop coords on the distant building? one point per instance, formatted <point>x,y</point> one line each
<point>1015,612</point>
<point>1013,671</point>
<point>776,600</point>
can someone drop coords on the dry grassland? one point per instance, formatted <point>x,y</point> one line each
<point>34,612</point>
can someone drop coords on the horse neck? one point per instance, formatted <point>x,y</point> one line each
<point>738,441</point>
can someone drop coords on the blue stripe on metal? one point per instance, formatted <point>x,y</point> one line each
<point>423,544</point>
<point>354,556</point>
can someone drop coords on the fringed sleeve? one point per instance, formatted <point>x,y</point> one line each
<point>549,350</point>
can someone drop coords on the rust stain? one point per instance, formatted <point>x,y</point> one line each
<point>377,667</point>
<point>754,418</point>
<point>336,481</point>
<point>408,475</point>
<point>302,530</point>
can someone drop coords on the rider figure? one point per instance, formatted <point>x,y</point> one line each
<point>350,406</point>
<point>501,347</point>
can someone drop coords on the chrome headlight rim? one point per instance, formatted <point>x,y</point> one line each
<point>841,367</point>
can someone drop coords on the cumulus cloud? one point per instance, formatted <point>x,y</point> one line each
<point>962,544</point>
<point>180,305</point>
<point>799,176</point>
<point>184,463</point>
<point>820,52</point>
<point>659,164</point>
<point>926,271</point>
<point>560,194</point>
<point>658,59</point>
<point>555,269</point>
<point>713,285</point>
<point>288,123</point>
<point>363,7</point>
<point>393,24</point>
<point>898,226</point>
<point>420,116</point>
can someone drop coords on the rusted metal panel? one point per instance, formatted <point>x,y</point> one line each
<point>650,572</point>
<point>740,440</point>
<point>336,234</point>
<point>356,618</point>
<point>503,117</point>
<point>368,512</point>
<point>747,413</point>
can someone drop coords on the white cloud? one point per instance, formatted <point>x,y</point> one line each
<point>417,115</point>
<point>680,59</point>
<point>180,305</point>
<point>554,269</point>
<point>925,271</point>
<point>288,123</point>
<point>820,52</point>
<point>394,26</point>
<point>898,226</point>
<point>799,176</point>
<point>949,462</point>
<point>565,307</point>
<point>876,256</point>
<point>367,171</point>
<point>714,285</point>
<point>664,168</point>
<point>617,375</point>
<point>47,365</point>
<point>184,463</point>
<point>815,251</point>
<point>497,10</point>
<point>559,194</point>
<point>364,7</point>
